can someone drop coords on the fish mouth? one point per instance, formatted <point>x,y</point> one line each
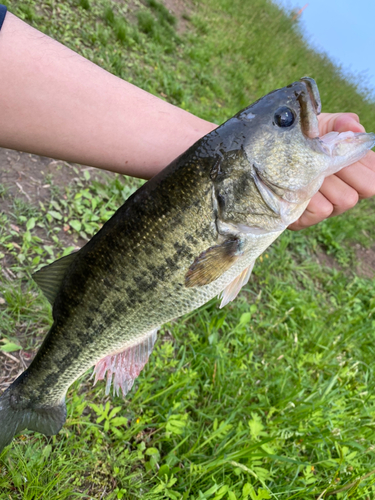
<point>311,107</point>
<point>343,148</point>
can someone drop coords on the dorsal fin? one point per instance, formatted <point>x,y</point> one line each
<point>49,278</point>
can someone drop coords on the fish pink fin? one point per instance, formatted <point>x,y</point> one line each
<point>231,291</point>
<point>125,366</point>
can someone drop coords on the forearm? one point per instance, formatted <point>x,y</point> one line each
<point>56,103</point>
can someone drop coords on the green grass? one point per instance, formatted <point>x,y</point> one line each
<point>270,397</point>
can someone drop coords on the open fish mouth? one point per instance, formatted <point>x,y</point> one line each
<point>339,143</point>
<point>343,148</point>
<point>335,151</point>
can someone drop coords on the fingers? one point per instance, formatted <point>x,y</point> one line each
<point>339,122</point>
<point>317,210</point>
<point>339,194</point>
<point>361,176</point>
<point>347,121</point>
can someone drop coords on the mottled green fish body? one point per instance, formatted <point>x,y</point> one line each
<point>189,234</point>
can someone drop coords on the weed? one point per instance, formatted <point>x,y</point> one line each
<point>146,23</point>
<point>109,15</point>
<point>3,190</point>
<point>85,4</point>
<point>163,13</point>
<point>23,210</point>
<point>27,12</point>
<point>120,30</point>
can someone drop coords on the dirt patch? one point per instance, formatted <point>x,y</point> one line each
<point>12,365</point>
<point>32,177</point>
<point>365,257</point>
<point>366,261</point>
<point>182,10</point>
<point>326,260</point>
<point>35,179</point>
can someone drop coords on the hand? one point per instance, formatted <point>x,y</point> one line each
<point>340,191</point>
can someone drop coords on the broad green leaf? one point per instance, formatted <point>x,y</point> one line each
<point>75,224</point>
<point>55,215</point>
<point>10,347</point>
<point>30,224</point>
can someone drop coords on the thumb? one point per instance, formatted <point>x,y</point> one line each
<point>339,122</point>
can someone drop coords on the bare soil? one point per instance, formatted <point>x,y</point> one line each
<point>181,9</point>
<point>366,261</point>
<point>365,257</point>
<point>32,177</point>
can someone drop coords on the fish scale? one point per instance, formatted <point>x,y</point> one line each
<point>127,322</point>
<point>189,234</point>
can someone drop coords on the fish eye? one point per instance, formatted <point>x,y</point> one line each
<point>284,117</point>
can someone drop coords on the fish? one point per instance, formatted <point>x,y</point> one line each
<point>189,234</point>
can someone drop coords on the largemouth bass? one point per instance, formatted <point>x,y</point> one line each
<point>190,233</point>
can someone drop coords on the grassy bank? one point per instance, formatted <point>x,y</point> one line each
<point>270,397</point>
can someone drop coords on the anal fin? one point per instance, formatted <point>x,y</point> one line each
<point>231,291</point>
<point>125,366</point>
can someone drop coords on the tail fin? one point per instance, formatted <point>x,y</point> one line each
<point>47,419</point>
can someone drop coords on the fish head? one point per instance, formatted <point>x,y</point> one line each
<point>273,160</point>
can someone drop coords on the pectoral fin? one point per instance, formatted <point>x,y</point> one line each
<point>231,291</point>
<point>213,262</point>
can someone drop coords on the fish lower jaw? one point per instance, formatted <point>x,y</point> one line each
<point>344,148</point>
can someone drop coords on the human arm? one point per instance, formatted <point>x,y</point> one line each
<point>56,103</point>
